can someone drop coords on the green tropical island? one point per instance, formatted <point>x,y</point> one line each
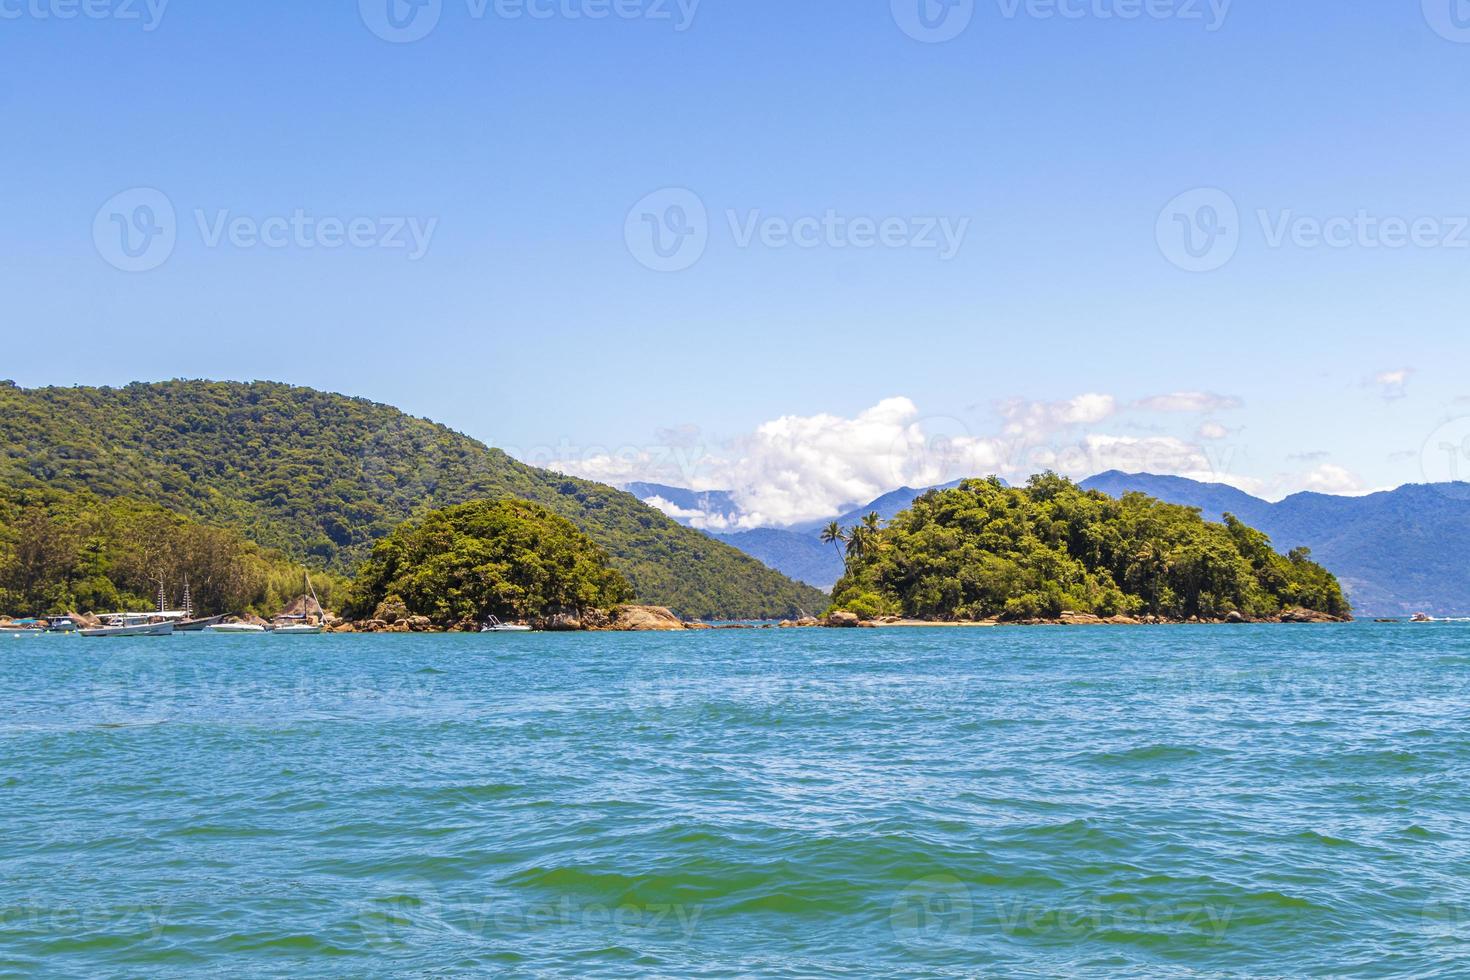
<point>109,497</point>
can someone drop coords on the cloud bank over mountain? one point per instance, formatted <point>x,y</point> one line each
<point>799,468</point>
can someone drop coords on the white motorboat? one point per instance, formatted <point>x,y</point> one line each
<point>22,627</point>
<point>493,625</point>
<point>234,628</point>
<point>131,624</point>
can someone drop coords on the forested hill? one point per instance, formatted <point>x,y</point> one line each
<point>984,550</point>
<point>323,476</point>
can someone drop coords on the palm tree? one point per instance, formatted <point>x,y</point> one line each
<point>857,542</point>
<point>873,523</point>
<point>834,535</point>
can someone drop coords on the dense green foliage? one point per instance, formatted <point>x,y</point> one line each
<point>64,553</point>
<point>1389,549</point>
<point>986,551</point>
<point>508,558</point>
<point>321,477</point>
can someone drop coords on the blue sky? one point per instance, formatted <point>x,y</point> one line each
<point>1053,135</point>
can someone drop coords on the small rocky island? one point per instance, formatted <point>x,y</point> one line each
<point>1050,552</point>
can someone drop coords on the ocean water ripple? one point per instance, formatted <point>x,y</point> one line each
<point>1181,801</point>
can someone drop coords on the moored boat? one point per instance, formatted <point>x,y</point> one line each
<point>300,624</point>
<point>130,624</point>
<point>234,628</point>
<point>197,625</point>
<point>23,626</point>
<point>494,625</point>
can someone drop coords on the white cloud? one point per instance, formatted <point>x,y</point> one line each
<point>617,467</point>
<point>1331,478</point>
<point>1041,419</point>
<point>674,510</point>
<point>803,468</point>
<point>1196,402</point>
<point>799,468</point>
<point>1394,384</point>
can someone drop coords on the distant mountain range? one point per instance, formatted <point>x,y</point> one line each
<point>1396,553</point>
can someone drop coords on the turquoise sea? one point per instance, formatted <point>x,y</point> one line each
<point>1190,801</point>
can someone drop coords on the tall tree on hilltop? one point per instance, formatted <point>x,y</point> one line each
<point>834,535</point>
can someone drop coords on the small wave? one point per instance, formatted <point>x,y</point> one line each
<point>1314,837</point>
<point>1416,832</point>
<point>295,943</point>
<point>1145,755</point>
<point>472,793</point>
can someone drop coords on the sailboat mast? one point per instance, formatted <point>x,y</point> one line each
<point>311,591</point>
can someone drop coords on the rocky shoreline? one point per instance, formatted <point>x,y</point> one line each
<point>656,619</point>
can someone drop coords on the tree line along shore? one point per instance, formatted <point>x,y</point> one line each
<point>981,554</point>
